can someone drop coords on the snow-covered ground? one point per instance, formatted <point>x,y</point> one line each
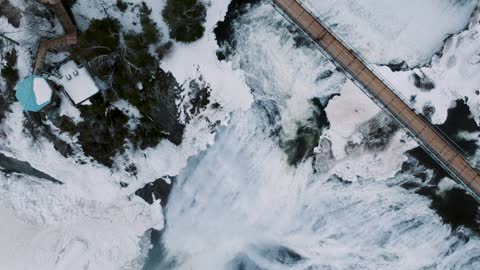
<point>414,31</point>
<point>383,31</point>
<point>76,223</point>
<point>346,113</point>
<point>238,200</point>
<point>456,74</point>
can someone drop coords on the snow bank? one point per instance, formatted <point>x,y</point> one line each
<point>346,113</point>
<point>383,31</point>
<point>68,232</point>
<point>186,60</point>
<point>456,75</point>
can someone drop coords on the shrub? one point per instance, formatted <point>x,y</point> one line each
<point>164,49</point>
<point>122,6</point>
<point>149,28</point>
<point>103,132</point>
<point>66,124</point>
<point>185,19</point>
<point>101,37</point>
<point>10,71</point>
<point>122,65</point>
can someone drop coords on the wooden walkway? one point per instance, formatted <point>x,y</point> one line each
<point>430,138</point>
<point>70,37</point>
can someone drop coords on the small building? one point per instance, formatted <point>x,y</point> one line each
<point>76,81</point>
<point>34,93</point>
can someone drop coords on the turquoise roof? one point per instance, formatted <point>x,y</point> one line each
<point>26,95</point>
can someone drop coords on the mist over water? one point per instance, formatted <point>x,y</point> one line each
<point>240,205</point>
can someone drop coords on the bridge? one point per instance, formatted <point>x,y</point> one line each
<point>70,37</point>
<point>430,138</point>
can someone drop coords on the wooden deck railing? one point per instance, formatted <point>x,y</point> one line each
<point>70,37</point>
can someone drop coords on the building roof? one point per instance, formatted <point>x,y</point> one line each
<point>34,93</point>
<point>77,82</point>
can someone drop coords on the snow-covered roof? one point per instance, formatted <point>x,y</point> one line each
<point>34,93</point>
<point>77,82</point>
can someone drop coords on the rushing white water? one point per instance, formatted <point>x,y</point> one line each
<point>239,205</point>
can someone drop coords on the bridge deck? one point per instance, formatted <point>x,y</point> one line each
<point>439,147</point>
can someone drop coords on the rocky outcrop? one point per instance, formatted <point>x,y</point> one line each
<point>378,132</point>
<point>12,13</point>
<point>158,189</point>
<point>10,165</point>
<point>224,32</point>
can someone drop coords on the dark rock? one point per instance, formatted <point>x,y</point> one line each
<point>159,189</point>
<point>428,111</point>
<point>457,208</point>
<point>300,39</point>
<point>425,161</point>
<point>280,254</point>
<point>410,185</point>
<point>413,99</point>
<point>10,165</point>
<point>460,118</point>
<point>336,178</point>
<point>422,82</point>
<point>378,132</point>
<point>324,75</point>
<point>225,30</point>
<point>308,135</point>
<point>62,147</point>
<point>13,14</point>
<point>398,66</point>
<point>199,97</point>
<point>132,169</point>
